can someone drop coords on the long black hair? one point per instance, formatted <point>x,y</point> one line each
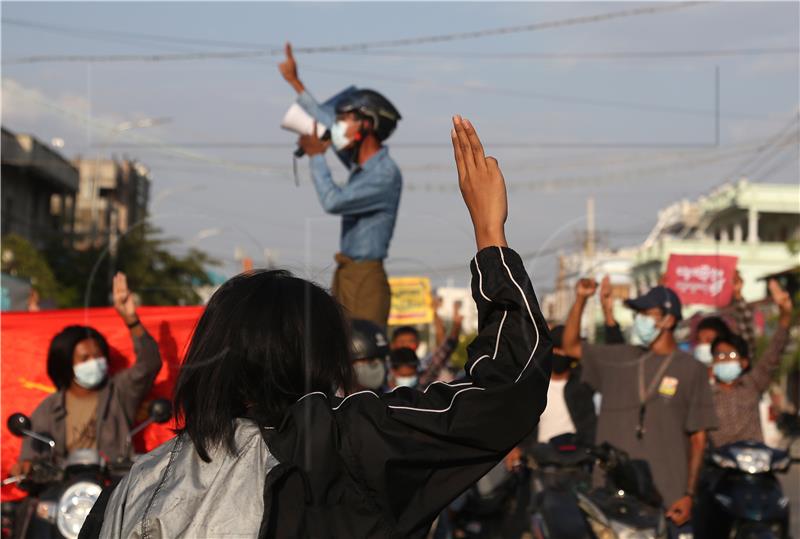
<point>62,347</point>
<point>265,339</point>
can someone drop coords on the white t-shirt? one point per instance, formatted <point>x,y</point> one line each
<point>555,419</point>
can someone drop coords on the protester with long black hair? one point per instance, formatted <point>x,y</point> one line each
<point>271,443</point>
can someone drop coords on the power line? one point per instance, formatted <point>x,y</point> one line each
<point>362,46</point>
<point>523,94</point>
<point>615,55</point>
<point>757,153</point>
<point>93,33</point>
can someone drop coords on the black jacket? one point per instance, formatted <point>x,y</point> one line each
<point>385,465</point>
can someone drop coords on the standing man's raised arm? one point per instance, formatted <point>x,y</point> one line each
<point>571,340</point>
<point>288,69</point>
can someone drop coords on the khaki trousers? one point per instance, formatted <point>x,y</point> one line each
<point>362,288</point>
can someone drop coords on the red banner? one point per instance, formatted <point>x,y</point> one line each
<point>25,341</point>
<point>701,279</point>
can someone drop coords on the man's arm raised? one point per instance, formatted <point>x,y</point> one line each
<point>571,340</point>
<point>288,69</point>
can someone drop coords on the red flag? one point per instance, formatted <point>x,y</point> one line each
<point>25,341</point>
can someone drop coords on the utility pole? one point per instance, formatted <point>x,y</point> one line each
<point>588,257</point>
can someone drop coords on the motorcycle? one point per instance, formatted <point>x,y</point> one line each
<point>60,495</point>
<point>565,506</point>
<point>741,496</point>
<point>495,507</point>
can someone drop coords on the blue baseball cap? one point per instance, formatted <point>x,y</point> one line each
<point>660,296</point>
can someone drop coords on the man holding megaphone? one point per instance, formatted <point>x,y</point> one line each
<point>361,120</point>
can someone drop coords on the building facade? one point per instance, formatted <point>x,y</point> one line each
<point>112,198</point>
<point>39,188</point>
<point>754,222</point>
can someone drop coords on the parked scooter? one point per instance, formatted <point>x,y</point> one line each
<point>627,506</point>
<point>741,496</point>
<point>60,495</point>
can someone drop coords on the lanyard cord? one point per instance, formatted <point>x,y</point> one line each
<point>645,394</point>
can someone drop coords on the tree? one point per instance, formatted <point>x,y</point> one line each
<point>21,259</point>
<point>154,272</point>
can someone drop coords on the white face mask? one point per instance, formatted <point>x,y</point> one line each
<point>339,137</point>
<point>406,381</point>
<point>702,353</point>
<point>91,373</point>
<point>646,329</point>
<point>370,374</point>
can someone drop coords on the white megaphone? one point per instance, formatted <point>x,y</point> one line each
<point>299,121</point>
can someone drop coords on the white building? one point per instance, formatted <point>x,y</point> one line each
<point>753,221</point>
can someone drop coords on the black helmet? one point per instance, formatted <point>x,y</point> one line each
<point>367,340</point>
<point>370,104</point>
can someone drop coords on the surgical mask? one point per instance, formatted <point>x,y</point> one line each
<point>91,373</point>
<point>370,374</point>
<point>727,371</point>
<point>702,353</point>
<point>406,381</point>
<point>561,363</point>
<point>645,329</point>
<point>339,137</point>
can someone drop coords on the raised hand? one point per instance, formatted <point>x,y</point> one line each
<point>312,144</point>
<point>458,318</point>
<point>585,288</point>
<point>482,185</point>
<point>288,69</point>
<point>606,297</point>
<point>123,299</point>
<point>783,300</point>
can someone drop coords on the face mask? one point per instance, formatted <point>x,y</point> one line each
<point>727,371</point>
<point>702,353</point>
<point>645,329</point>
<point>91,374</point>
<point>338,135</point>
<point>406,381</point>
<point>370,374</point>
<point>561,363</point>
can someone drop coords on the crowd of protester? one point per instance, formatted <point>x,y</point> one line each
<point>324,425</point>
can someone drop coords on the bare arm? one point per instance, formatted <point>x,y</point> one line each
<point>571,340</point>
<point>680,510</point>
<point>768,363</point>
<point>697,446</point>
<point>288,69</point>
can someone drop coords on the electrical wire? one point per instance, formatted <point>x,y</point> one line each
<point>361,46</point>
<point>614,55</point>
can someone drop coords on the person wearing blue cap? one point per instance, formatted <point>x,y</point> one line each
<point>359,122</point>
<point>657,403</point>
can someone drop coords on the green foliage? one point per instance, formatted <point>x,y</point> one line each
<point>21,259</point>
<point>154,271</point>
<point>83,278</point>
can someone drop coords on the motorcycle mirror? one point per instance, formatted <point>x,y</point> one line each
<point>160,410</point>
<point>18,424</point>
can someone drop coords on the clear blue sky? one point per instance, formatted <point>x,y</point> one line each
<point>217,197</point>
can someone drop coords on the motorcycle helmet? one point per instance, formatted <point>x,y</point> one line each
<point>367,341</point>
<point>370,104</point>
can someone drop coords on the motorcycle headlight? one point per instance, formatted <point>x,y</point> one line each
<point>623,531</point>
<point>752,460</point>
<point>74,506</point>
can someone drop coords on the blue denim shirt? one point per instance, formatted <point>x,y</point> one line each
<point>369,201</point>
